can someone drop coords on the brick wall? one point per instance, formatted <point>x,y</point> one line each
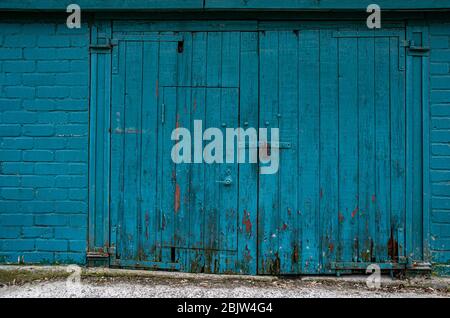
<point>43,142</point>
<point>440,140</point>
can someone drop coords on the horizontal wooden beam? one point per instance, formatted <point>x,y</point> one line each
<point>238,5</point>
<point>101,5</point>
<point>327,4</point>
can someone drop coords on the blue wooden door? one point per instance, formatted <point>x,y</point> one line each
<point>339,199</point>
<point>181,216</point>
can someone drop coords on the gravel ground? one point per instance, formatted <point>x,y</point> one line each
<point>131,288</point>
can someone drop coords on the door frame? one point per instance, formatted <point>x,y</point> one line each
<point>417,32</point>
<point>100,235</point>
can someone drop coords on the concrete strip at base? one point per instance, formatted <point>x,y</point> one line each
<point>440,283</point>
<point>111,272</point>
<point>49,272</point>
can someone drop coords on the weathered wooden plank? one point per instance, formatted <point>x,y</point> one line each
<point>366,133</point>
<point>382,148</point>
<point>248,172</point>
<point>99,150</point>
<point>93,148</point>
<point>323,4</point>
<point>329,194</point>
<point>182,172</point>
<point>169,193</point>
<point>168,66</point>
<point>288,171</point>
<point>228,194</point>
<point>308,151</point>
<point>132,149</point>
<point>123,27</point>
<point>199,55</point>
<point>185,53</point>
<point>102,5</point>
<point>101,169</point>
<point>269,209</point>
<point>214,59</point>
<point>212,188</point>
<point>117,150</point>
<point>168,70</point>
<point>197,188</point>
<point>398,148</point>
<point>230,59</point>
<point>347,249</point>
<point>97,5</point>
<point>149,157</point>
<point>414,173</point>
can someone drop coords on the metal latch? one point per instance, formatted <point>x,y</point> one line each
<point>227,181</point>
<point>261,144</point>
<point>96,255</point>
<point>416,50</point>
<point>103,47</point>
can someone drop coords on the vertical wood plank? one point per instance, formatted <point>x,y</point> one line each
<point>199,56</point>
<point>168,75</point>
<point>168,177</point>
<point>182,172</point>
<point>197,189</point>
<point>269,218</point>
<point>212,188</point>
<point>308,151</point>
<point>348,150</point>
<point>366,131</point>
<point>100,140</point>
<point>398,146</point>
<point>149,158</point>
<point>288,171</point>
<point>230,59</point>
<point>248,172</point>
<point>382,148</point>
<point>117,143</point>
<point>329,192</point>
<point>228,201</point>
<point>93,143</point>
<point>168,66</point>
<point>229,119</point>
<point>416,156</point>
<point>132,148</point>
<point>185,61</point>
<point>214,59</point>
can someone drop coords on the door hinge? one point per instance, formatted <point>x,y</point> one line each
<point>420,266</point>
<point>102,253</point>
<point>102,47</point>
<point>96,255</point>
<point>415,50</point>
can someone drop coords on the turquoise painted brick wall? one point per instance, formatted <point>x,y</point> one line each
<point>43,142</point>
<point>440,140</point>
